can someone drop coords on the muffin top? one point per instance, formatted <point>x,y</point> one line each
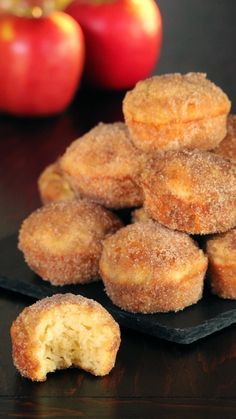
<point>191,174</point>
<point>147,250</point>
<point>174,98</point>
<point>66,226</point>
<point>106,151</point>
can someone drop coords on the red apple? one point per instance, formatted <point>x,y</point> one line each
<point>123,39</point>
<point>41,62</point>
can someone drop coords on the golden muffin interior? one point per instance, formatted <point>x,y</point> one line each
<point>62,331</point>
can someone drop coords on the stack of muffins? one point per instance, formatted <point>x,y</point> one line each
<point>175,156</point>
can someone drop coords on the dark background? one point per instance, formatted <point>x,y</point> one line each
<point>200,35</point>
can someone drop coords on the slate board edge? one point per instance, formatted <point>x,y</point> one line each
<point>181,336</point>
<point>186,335</point>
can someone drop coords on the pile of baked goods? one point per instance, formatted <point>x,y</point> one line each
<point>174,161</point>
<point>174,157</point>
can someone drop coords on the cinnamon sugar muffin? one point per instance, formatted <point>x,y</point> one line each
<point>191,191</point>
<point>53,185</point>
<point>221,250</point>
<point>63,331</point>
<point>227,147</point>
<point>103,166</point>
<point>62,241</point>
<point>147,268</point>
<point>175,111</point>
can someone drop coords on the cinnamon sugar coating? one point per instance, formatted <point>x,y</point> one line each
<point>227,147</point>
<point>53,185</point>
<point>191,191</point>
<point>148,268</point>
<point>175,111</point>
<point>62,241</point>
<point>103,166</point>
<point>62,331</point>
<point>221,250</point>
<point>139,214</point>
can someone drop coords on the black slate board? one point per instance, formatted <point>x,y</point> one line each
<point>195,322</point>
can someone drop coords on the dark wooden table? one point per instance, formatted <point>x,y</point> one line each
<point>152,378</point>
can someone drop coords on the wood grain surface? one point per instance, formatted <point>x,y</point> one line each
<point>152,378</point>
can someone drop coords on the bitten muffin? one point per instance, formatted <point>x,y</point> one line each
<point>62,241</point>
<point>53,185</point>
<point>227,147</point>
<point>103,166</point>
<point>147,268</point>
<point>191,191</point>
<point>175,111</point>
<point>63,331</point>
<point>221,250</point>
